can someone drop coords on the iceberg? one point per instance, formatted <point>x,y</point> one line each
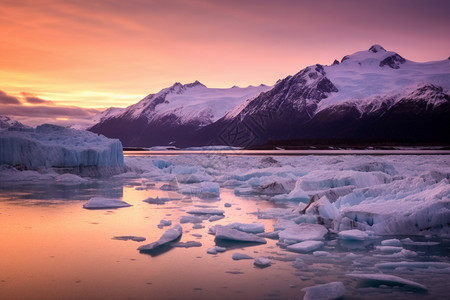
<point>216,249</point>
<point>129,238</point>
<point>249,228</point>
<point>327,291</point>
<point>354,235</point>
<point>302,232</point>
<point>227,233</point>
<point>63,149</point>
<point>206,211</point>
<point>305,247</point>
<point>413,265</point>
<point>375,280</point>
<point>170,235</point>
<point>262,262</point>
<point>239,256</point>
<point>104,203</point>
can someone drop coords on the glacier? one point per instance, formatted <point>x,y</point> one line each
<point>62,149</point>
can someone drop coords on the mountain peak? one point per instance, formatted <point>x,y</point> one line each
<point>193,84</point>
<point>376,48</point>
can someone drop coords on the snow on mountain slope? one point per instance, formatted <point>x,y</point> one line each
<point>6,122</point>
<point>188,103</point>
<point>364,75</point>
<point>360,79</point>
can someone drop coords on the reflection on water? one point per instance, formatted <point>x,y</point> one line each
<point>52,248</point>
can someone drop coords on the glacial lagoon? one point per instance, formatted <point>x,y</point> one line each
<point>53,248</point>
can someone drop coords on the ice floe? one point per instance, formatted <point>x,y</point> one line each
<point>227,233</point>
<point>375,280</point>
<point>429,266</point>
<point>129,238</point>
<point>327,291</point>
<point>104,203</point>
<point>216,249</point>
<point>302,232</point>
<point>170,235</point>
<point>206,211</point>
<point>239,256</point>
<point>262,262</point>
<point>305,247</point>
<point>354,235</point>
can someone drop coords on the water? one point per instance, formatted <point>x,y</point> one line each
<point>406,151</point>
<point>52,248</point>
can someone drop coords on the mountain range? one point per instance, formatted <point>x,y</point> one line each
<point>369,96</point>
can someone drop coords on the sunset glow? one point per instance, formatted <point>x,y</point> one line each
<point>97,54</point>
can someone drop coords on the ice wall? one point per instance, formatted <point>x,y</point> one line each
<point>66,150</point>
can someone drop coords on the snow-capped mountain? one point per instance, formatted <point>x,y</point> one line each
<point>172,114</point>
<point>372,95</point>
<point>6,122</point>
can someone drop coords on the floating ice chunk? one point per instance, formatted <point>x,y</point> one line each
<point>270,235</point>
<point>239,256</point>
<point>376,280</point>
<point>170,235</point>
<point>302,232</point>
<point>158,200</point>
<point>190,219</point>
<point>408,241</point>
<point>206,211</point>
<point>227,233</point>
<point>411,265</point>
<point>322,254</point>
<point>305,247</point>
<point>206,189</point>
<point>326,179</point>
<point>262,262</point>
<point>188,244</point>
<point>129,238</point>
<point>103,203</point>
<point>389,249</point>
<point>216,249</point>
<point>391,242</point>
<point>163,223</point>
<point>354,235</point>
<point>216,218</point>
<point>249,228</point>
<point>282,224</point>
<point>324,208</point>
<point>70,179</point>
<point>404,253</point>
<point>327,291</point>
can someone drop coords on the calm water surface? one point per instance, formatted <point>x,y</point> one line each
<point>52,248</point>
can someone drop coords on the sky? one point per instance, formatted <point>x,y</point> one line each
<point>67,60</point>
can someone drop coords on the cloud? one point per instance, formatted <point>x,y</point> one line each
<point>6,99</point>
<point>42,111</point>
<point>32,99</point>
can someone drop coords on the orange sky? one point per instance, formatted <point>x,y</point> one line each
<point>97,54</point>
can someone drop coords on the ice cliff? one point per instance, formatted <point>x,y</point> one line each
<point>63,149</point>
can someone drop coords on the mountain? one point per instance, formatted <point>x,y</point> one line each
<point>172,115</point>
<point>371,96</point>
<point>6,123</point>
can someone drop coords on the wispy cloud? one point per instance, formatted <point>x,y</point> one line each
<point>7,100</point>
<point>32,99</point>
<point>34,110</point>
